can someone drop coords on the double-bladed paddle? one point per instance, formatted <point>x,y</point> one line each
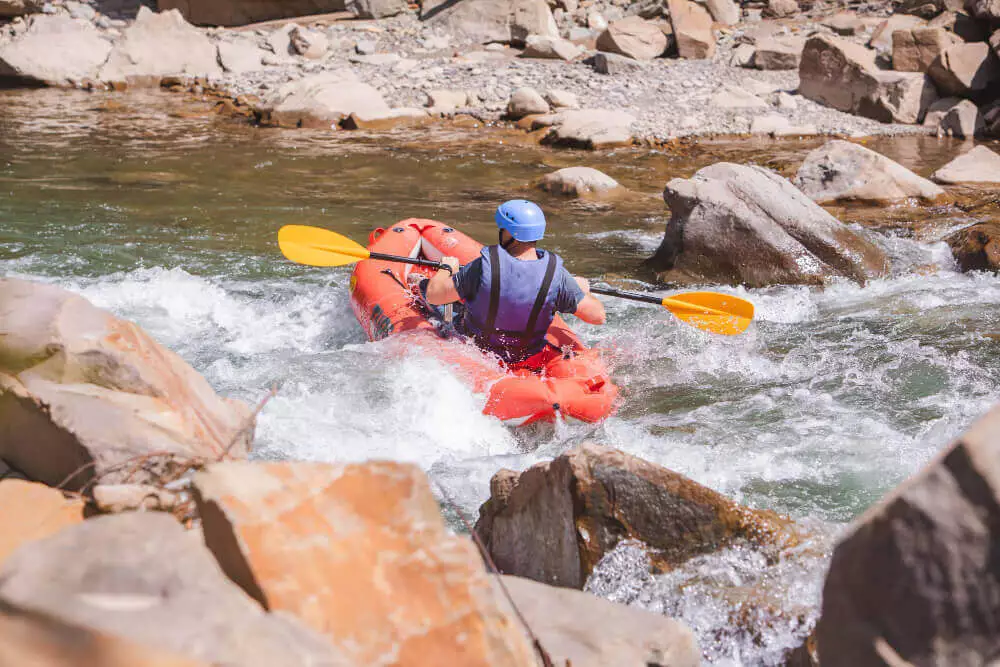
<point>710,311</point>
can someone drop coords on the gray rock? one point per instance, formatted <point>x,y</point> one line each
<point>526,101</point>
<point>842,171</point>
<point>724,12</point>
<point>240,56</point>
<point>579,182</point>
<point>142,577</point>
<point>583,630</point>
<point>365,47</point>
<point>561,99</point>
<point>307,43</point>
<point>966,70</point>
<point>614,64</point>
<point>725,209</point>
<point>491,20</point>
<point>376,9</point>
<point>56,51</point>
<point>779,53</point>
<point>321,100</point>
<point>962,121</point>
<point>980,165</point>
<point>633,37</point>
<point>915,580</point>
<point>446,100</point>
<point>552,48</point>
<point>588,128</point>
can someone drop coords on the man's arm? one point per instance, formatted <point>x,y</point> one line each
<point>441,287</point>
<point>589,309</point>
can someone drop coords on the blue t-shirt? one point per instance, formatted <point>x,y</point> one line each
<point>568,297</point>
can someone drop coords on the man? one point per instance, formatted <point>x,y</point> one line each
<point>513,290</point>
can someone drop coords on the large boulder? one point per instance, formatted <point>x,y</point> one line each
<point>242,12</point>
<point>980,165</point>
<point>321,100</point>
<point>914,50</point>
<point>556,520</point>
<point>582,630</point>
<point>580,182</point>
<point>842,171</point>
<point>30,511</point>
<point>633,37</point>
<point>843,75</point>
<point>83,393</point>
<point>587,128</point>
<point>55,50</point>
<point>491,20</point>
<point>977,248</point>
<point>12,8</point>
<point>724,12</point>
<point>142,577</point>
<point>881,39</point>
<point>967,70</point>
<point>360,553</point>
<point>738,224</point>
<point>31,639</point>
<point>692,29</point>
<point>916,579</point>
<point>159,45</point>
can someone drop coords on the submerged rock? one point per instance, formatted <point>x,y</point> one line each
<point>141,577</point>
<point>30,511</point>
<point>842,171</point>
<point>580,182</point>
<point>980,165</point>
<point>977,248</point>
<point>83,392</point>
<point>360,553</point>
<point>55,50</point>
<point>726,209</point>
<point>582,630</point>
<point>916,579</point>
<point>556,520</point>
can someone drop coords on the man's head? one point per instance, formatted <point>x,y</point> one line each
<point>522,220</point>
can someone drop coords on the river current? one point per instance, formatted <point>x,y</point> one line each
<point>830,399</point>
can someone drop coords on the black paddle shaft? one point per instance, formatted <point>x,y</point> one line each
<point>634,296</point>
<point>409,260</point>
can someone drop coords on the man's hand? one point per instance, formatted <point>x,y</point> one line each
<point>452,263</point>
<point>583,283</point>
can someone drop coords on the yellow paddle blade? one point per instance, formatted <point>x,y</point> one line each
<point>319,247</point>
<point>712,311</point>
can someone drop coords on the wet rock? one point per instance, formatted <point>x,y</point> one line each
<point>915,50</point>
<point>491,20</point>
<point>12,8</point>
<point>915,580</point>
<point>240,12</point>
<point>307,43</point>
<point>980,165</point>
<point>779,53</point>
<point>842,171</point>
<point>141,577</point>
<point>984,10</point>
<point>321,100</point>
<point>240,56</point>
<point>118,498</point>
<point>30,511</point>
<point>962,121</point>
<point>692,29</point>
<point>376,9</point>
<point>881,39</point>
<point>525,102</point>
<point>977,248</point>
<point>966,70</point>
<point>731,97</point>
<point>633,37</point>
<point>582,630</point>
<point>580,182</point>
<point>83,392</point>
<point>556,520</point>
<point>779,9</point>
<point>385,120</point>
<point>725,208</point>
<point>360,553</point>
<point>562,99</point>
<point>724,12</point>
<point>587,128</point>
<point>56,51</point>
<point>845,24</point>
<point>31,639</point>
<point>552,48</point>
<point>446,100</point>
<point>160,45</point>
<point>613,64</point>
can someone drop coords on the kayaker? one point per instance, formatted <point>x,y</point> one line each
<point>513,290</point>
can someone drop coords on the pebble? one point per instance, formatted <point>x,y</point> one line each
<point>365,47</point>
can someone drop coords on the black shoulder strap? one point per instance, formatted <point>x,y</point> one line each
<point>491,317</point>
<point>543,293</point>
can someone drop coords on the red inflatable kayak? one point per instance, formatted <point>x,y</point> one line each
<point>568,379</point>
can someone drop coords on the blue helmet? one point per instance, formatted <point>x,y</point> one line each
<point>523,219</point>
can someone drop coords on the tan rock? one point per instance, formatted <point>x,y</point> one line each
<point>587,128</point>
<point>83,392</point>
<point>779,9</point>
<point>360,553</point>
<point>962,121</point>
<point>915,50</point>
<point>580,182</point>
<point>525,102</point>
<point>446,100</point>
<point>977,248</point>
<point>240,12</point>
<point>987,11</point>
<point>779,53</point>
<point>979,165</point>
<point>140,576</point>
<point>558,519</point>
<point>724,12</point>
<point>491,20</point>
<point>845,23</point>
<point>118,498</point>
<point>551,48</point>
<point>898,97</point>
<point>692,29</point>
<point>30,511</point>
<point>561,99</point>
<point>842,171</point>
<point>31,639</point>
<point>731,97</point>
<point>881,39</point>
<point>966,70</point>
<point>311,44</point>
<point>321,101</point>
<point>915,579</point>
<point>240,56</point>
<point>633,37</point>
<point>55,50</point>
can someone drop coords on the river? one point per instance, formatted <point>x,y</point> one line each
<point>831,398</point>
